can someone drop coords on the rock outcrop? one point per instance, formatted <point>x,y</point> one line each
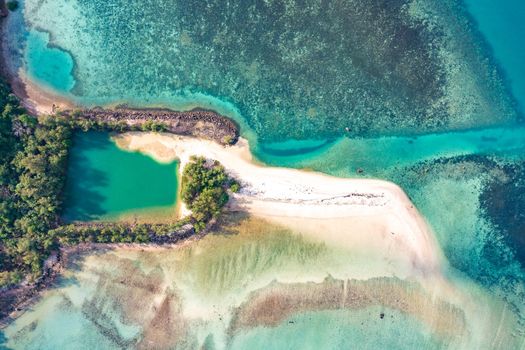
<point>199,123</point>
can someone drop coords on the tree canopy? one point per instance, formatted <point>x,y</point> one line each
<point>204,188</point>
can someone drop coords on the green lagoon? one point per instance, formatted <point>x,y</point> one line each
<point>105,182</point>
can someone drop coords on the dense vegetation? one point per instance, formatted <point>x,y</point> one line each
<point>33,162</point>
<point>78,121</point>
<point>33,156</point>
<point>204,189</point>
<point>114,232</point>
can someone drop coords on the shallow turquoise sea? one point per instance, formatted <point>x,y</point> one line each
<point>340,330</point>
<point>358,94</point>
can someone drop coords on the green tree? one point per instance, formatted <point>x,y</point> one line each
<point>204,189</point>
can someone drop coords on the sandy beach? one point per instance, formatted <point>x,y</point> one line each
<point>370,214</point>
<point>35,98</point>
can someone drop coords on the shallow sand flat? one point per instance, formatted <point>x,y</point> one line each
<point>252,277</point>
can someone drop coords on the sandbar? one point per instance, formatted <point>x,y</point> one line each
<point>375,215</point>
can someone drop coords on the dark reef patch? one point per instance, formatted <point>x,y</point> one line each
<point>494,253</point>
<point>286,152</point>
<point>273,304</point>
<point>302,69</point>
<point>503,200</point>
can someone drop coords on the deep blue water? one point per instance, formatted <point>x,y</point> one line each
<point>502,25</point>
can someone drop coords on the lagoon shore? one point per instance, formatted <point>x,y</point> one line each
<point>371,214</point>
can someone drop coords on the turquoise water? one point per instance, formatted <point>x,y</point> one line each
<point>60,314</point>
<point>503,26</point>
<point>105,181</point>
<point>48,66</point>
<point>342,330</point>
<point>286,77</point>
<point>343,157</point>
<point>422,93</point>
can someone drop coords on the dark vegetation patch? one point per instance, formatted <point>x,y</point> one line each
<point>503,200</point>
<point>33,158</point>
<point>204,189</point>
<point>13,5</point>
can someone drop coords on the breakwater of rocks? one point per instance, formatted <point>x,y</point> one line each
<point>198,123</point>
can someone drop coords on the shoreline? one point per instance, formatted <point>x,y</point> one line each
<point>371,211</point>
<point>378,214</point>
<point>28,294</point>
<point>36,99</point>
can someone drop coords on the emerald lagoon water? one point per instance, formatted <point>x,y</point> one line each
<point>105,182</point>
<point>428,94</point>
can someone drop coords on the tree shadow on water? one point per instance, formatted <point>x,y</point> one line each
<point>85,183</point>
<point>227,223</point>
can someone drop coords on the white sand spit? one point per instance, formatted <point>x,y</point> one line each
<point>372,214</point>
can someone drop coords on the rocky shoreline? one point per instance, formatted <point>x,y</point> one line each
<point>197,123</point>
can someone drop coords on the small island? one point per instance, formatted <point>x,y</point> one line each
<point>34,157</point>
<point>217,172</point>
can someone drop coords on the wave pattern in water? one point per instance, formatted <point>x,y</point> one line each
<point>251,287</point>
